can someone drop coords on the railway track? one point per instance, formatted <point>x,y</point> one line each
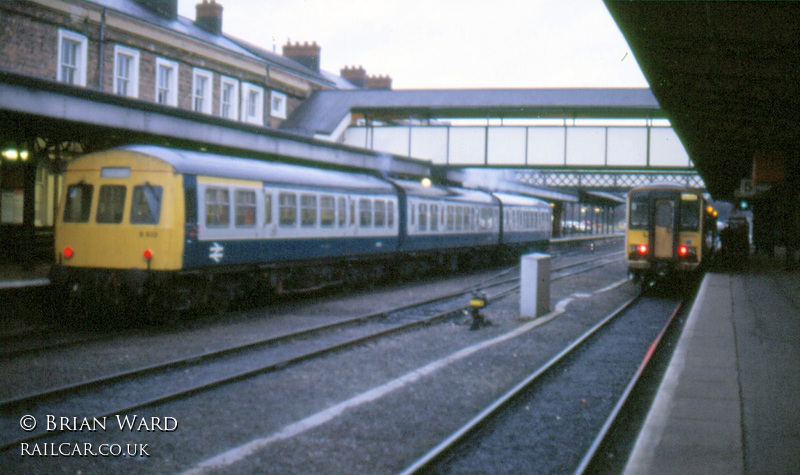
<point>545,423</point>
<point>139,387</point>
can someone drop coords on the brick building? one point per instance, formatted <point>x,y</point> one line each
<point>138,50</point>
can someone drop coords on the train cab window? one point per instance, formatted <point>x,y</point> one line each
<point>245,206</point>
<point>690,212</point>
<point>79,202</point>
<point>308,210</point>
<point>146,204</point>
<point>267,209</point>
<point>342,209</point>
<point>639,217</point>
<point>217,207</point>
<point>327,211</point>
<point>111,204</point>
<point>287,208</point>
<point>665,213</point>
<point>365,212</point>
<point>380,213</point>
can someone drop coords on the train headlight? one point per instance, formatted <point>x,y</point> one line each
<point>68,253</point>
<point>148,254</point>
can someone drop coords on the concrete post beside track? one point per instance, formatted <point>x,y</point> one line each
<point>534,291</point>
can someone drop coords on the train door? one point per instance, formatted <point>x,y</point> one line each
<point>664,228</point>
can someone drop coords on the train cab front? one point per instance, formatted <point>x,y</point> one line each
<point>115,232</point>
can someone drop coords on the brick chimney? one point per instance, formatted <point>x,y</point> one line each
<point>306,54</point>
<point>356,76</point>
<point>164,8</point>
<point>379,82</point>
<point>209,17</point>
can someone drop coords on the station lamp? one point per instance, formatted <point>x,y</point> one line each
<point>12,153</point>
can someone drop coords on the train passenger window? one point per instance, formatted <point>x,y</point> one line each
<point>111,204</point>
<point>639,217</point>
<point>380,213</point>
<point>352,212</point>
<point>245,208</point>
<point>468,219</point>
<point>327,211</point>
<point>365,212</point>
<point>79,202</point>
<point>267,209</point>
<point>459,218</point>
<point>217,207</point>
<point>146,204</point>
<point>390,213</point>
<point>413,208</point>
<point>451,218</point>
<point>423,216</point>
<point>287,209</point>
<point>342,205</point>
<point>308,210</point>
<point>690,213</point>
<point>434,217</point>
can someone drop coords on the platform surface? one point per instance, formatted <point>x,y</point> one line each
<point>730,399</point>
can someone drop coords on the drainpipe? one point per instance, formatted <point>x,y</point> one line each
<point>100,61</point>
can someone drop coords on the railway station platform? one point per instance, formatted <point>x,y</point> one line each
<point>730,399</point>
<point>31,275</point>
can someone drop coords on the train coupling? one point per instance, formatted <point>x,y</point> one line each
<point>476,303</point>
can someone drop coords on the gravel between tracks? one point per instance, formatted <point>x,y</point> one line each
<point>381,436</point>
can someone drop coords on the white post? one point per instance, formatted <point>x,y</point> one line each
<point>534,293</point>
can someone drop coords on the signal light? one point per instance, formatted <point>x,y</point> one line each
<point>148,254</point>
<point>68,252</point>
<point>641,249</point>
<point>683,251</point>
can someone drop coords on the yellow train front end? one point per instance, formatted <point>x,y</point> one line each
<point>669,234</point>
<point>120,221</point>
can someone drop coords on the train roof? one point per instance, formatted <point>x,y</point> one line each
<point>441,192</point>
<point>224,166</point>
<point>519,200</point>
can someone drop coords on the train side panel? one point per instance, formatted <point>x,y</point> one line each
<point>251,222</point>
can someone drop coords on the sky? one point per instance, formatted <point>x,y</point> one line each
<point>447,44</point>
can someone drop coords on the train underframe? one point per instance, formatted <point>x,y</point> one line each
<point>649,272</point>
<point>164,296</point>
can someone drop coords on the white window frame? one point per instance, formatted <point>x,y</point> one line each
<point>278,105</point>
<point>252,113</point>
<point>234,99</point>
<point>81,55</point>
<point>172,87</point>
<point>133,79</point>
<point>202,94</point>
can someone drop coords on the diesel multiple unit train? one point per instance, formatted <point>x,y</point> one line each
<point>671,232</point>
<point>175,229</point>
